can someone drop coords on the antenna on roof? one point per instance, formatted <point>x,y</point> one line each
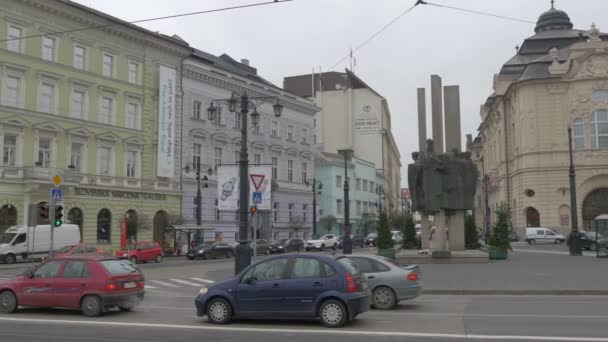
<point>552,4</point>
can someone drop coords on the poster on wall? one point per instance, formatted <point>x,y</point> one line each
<point>166,122</point>
<point>367,121</point>
<point>260,185</point>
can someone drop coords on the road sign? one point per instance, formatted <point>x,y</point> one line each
<point>256,197</point>
<point>257,181</point>
<point>57,180</point>
<point>56,195</point>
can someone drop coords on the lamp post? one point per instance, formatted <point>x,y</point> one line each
<point>486,210</point>
<point>243,251</point>
<point>380,192</point>
<point>198,198</point>
<point>347,243</point>
<point>575,248</point>
<point>315,188</point>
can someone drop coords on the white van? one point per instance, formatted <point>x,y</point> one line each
<point>20,242</point>
<point>543,235</point>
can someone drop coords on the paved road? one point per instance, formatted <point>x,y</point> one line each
<point>429,318</point>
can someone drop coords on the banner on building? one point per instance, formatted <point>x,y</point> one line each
<point>367,121</point>
<point>166,122</point>
<point>260,185</point>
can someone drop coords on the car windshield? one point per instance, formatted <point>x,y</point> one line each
<point>65,249</point>
<point>206,244</point>
<point>316,237</point>
<point>284,242</point>
<point>119,267</point>
<point>7,237</point>
<point>371,235</point>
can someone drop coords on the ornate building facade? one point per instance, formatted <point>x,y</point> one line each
<point>557,79</point>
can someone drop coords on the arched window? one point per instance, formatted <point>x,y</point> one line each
<point>8,216</point>
<point>599,131</point>
<point>579,134</point>
<point>104,226</point>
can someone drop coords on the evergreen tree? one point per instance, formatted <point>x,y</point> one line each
<point>471,240</point>
<point>410,241</point>
<point>385,239</point>
<point>500,230</point>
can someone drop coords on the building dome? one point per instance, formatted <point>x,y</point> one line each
<point>553,19</point>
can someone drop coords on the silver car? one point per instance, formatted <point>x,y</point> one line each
<point>390,281</point>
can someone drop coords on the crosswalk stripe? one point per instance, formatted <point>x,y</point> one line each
<point>185,282</point>
<point>149,287</point>
<point>162,283</point>
<point>203,280</point>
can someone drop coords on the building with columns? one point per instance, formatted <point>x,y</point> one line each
<point>557,79</point>
<point>283,143</point>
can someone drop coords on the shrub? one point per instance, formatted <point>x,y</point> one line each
<point>385,239</point>
<point>410,241</point>
<point>500,231</point>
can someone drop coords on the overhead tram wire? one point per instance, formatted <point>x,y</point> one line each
<point>422,2</point>
<point>57,33</point>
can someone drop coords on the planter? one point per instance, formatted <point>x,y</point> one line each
<point>497,253</point>
<point>388,253</point>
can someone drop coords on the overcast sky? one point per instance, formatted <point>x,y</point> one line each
<point>291,38</point>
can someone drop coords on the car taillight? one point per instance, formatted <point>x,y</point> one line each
<point>351,286</point>
<point>141,284</point>
<point>111,286</point>
<point>412,276</point>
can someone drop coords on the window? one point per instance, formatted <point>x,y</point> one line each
<point>80,54</point>
<point>304,172</point>
<point>258,128</point>
<point>237,156</point>
<point>290,212</point>
<point>133,114</point>
<point>306,268</point>
<point>14,42</point>
<point>372,187</point>
<point>131,163</point>
<point>314,139</point>
<point>304,212</point>
<point>599,136</point>
<point>219,119</point>
<point>78,104</point>
<point>9,150</point>
<point>12,91</point>
<point>218,157</point>
<point>267,271</point>
<point>339,182</point>
<point>257,159</point>
<point>290,170</point>
<point>290,133</point>
<point>75,269</point>
<point>314,123</point>
<point>46,100</point>
<point>237,120</point>
<point>105,155</point>
<point>48,48</point>
<point>76,157</point>
<point>21,238</point>
<point>304,136</point>
<point>107,107</point>
<point>579,134</point>
<point>599,95</point>
<point>275,211</point>
<point>196,110</point>
<point>48,270</point>
<point>365,185</point>
<point>133,72</point>
<point>329,271</point>
<point>275,129</point>
<point>104,232</point>
<point>107,68</point>
<point>119,267</point>
<point>358,184</point>
<point>364,264</point>
<point>196,155</point>
<point>339,207</point>
<point>275,168</point>
<point>358,207</point>
<point>44,152</point>
<point>217,211</point>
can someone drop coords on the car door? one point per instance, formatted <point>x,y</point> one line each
<point>38,290</point>
<point>330,240</point>
<point>540,236</point>
<point>306,283</point>
<point>72,284</point>
<point>261,290</point>
<point>224,249</point>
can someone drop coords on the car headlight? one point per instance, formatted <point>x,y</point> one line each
<point>203,290</point>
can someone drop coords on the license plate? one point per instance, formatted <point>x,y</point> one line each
<point>129,285</point>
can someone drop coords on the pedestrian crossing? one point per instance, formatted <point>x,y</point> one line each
<point>177,283</point>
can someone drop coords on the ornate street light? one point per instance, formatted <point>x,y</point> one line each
<point>278,108</point>
<point>211,112</point>
<point>255,116</point>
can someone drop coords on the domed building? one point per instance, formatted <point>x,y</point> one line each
<point>557,79</point>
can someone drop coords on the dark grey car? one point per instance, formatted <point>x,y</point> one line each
<point>261,247</point>
<point>210,249</point>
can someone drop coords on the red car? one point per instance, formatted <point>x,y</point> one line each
<point>82,248</point>
<point>93,283</point>
<point>142,251</point>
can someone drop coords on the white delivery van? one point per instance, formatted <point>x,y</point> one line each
<point>543,235</point>
<point>21,242</point>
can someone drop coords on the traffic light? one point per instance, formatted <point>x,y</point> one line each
<point>44,211</point>
<point>58,215</point>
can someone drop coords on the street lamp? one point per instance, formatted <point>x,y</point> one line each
<point>486,210</point>
<point>198,198</point>
<point>315,188</point>
<point>243,251</point>
<point>347,243</point>
<point>575,248</point>
<point>380,192</point>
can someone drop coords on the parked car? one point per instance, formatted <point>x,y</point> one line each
<point>370,239</point>
<point>93,283</point>
<point>591,240</point>
<point>321,242</point>
<point>397,236</point>
<point>142,251</point>
<point>81,248</point>
<point>289,286</point>
<point>287,245</point>
<point>260,246</point>
<point>21,242</point>
<point>358,241</point>
<point>513,236</point>
<point>389,281</point>
<point>210,250</point>
<point>543,235</point>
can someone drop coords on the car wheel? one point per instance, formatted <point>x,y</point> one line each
<point>133,260</point>
<point>8,302</point>
<point>307,249</point>
<point>91,306</point>
<point>190,258</point>
<point>219,311</point>
<point>158,259</point>
<point>205,256</point>
<point>557,241</point>
<point>126,307</point>
<point>10,259</point>
<point>332,314</point>
<point>383,298</point>
<point>531,241</point>
<point>322,248</point>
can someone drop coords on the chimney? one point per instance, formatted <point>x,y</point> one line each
<point>245,61</point>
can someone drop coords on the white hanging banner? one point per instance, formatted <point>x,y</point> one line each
<point>228,187</point>
<point>260,186</point>
<point>165,163</point>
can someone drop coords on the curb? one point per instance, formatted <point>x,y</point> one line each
<point>463,292</point>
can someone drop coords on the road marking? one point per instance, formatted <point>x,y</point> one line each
<point>544,251</point>
<point>162,283</point>
<point>203,280</point>
<point>307,331</point>
<point>149,287</point>
<point>185,282</point>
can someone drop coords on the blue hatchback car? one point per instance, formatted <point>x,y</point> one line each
<point>289,287</point>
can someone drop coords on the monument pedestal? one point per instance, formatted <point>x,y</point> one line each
<point>425,232</point>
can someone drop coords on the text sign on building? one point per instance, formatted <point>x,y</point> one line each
<point>367,121</point>
<point>166,123</point>
<point>260,184</point>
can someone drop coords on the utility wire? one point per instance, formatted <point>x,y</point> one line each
<point>147,20</point>
<point>421,2</point>
<point>377,33</point>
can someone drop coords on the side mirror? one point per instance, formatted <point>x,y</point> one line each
<point>29,274</point>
